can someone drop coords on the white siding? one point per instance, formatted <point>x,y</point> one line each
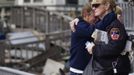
<point>18,2</point>
<point>63,2</point>
<point>81,2</point>
<point>54,2</point>
<point>120,1</point>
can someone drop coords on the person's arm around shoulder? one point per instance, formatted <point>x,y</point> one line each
<point>73,23</point>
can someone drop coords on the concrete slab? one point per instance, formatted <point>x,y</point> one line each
<point>52,67</point>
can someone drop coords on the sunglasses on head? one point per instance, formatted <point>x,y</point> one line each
<point>95,5</point>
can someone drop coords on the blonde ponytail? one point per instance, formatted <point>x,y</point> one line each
<point>118,10</point>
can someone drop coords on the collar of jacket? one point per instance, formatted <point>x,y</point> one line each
<point>106,21</point>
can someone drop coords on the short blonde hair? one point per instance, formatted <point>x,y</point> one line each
<point>111,2</point>
<point>87,8</point>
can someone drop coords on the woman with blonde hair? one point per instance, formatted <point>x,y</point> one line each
<point>109,55</point>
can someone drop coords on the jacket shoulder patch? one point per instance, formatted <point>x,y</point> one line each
<point>115,33</point>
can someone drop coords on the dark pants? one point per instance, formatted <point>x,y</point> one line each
<point>123,73</point>
<point>119,73</point>
<point>72,73</point>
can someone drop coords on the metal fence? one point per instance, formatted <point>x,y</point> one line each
<point>128,15</point>
<point>43,20</point>
<point>51,23</point>
<point>38,19</point>
<point>18,47</point>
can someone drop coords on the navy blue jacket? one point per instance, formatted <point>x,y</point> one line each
<point>107,53</point>
<point>107,20</point>
<point>79,55</point>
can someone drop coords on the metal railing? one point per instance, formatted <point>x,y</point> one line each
<point>128,15</point>
<point>54,25</point>
<point>38,19</point>
<point>10,71</point>
<point>47,21</point>
<point>22,46</point>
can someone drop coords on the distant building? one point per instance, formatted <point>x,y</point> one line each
<point>50,2</point>
<point>120,1</point>
<point>4,8</point>
<point>5,5</point>
<point>7,2</point>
